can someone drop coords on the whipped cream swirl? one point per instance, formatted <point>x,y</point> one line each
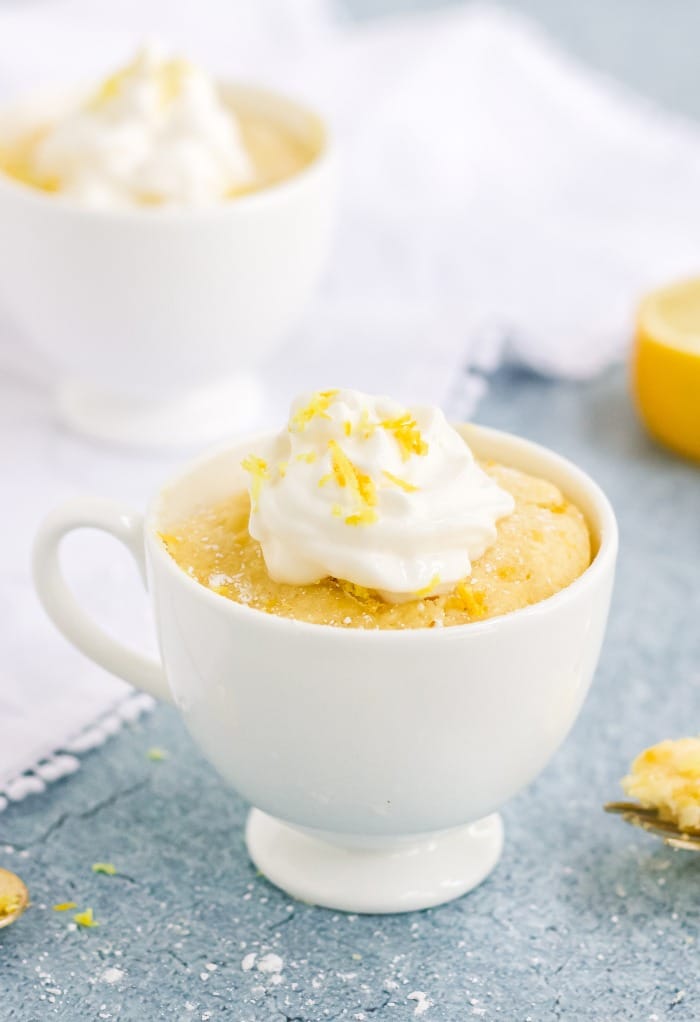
<point>155,132</point>
<point>361,489</point>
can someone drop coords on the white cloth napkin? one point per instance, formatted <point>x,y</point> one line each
<point>497,202</point>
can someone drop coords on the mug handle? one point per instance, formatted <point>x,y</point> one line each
<point>62,607</point>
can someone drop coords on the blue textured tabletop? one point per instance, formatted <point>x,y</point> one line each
<point>584,918</point>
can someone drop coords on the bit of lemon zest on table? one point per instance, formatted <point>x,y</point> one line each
<point>316,408</point>
<point>426,590</point>
<point>407,435</point>
<point>85,919</point>
<point>104,867</point>
<point>466,599</point>
<point>156,754</point>
<point>347,427</point>
<point>403,484</point>
<point>64,906</point>
<point>257,467</point>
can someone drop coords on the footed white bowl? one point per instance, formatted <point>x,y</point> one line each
<point>158,319</point>
<point>376,760</point>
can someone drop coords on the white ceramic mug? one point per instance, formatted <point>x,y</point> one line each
<point>376,760</point>
<point>157,318</point>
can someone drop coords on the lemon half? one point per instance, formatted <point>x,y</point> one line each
<point>666,366</point>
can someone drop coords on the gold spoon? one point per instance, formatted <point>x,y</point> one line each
<point>14,897</point>
<point>649,820</point>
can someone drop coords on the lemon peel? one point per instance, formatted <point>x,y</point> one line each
<point>85,919</point>
<point>426,590</point>
<point>257,468</point>
<point>317,406</point>
<point>407,435</point>
<point>403,484</point>
<point>368,516</point>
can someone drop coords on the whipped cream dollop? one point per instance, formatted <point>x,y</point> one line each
<point>362,489</point>
<point>155,132</point>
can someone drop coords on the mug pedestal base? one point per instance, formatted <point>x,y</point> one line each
<point>196,417</point>
<point>389,875</point>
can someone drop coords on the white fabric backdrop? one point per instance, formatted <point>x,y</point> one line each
<point>497,201</point>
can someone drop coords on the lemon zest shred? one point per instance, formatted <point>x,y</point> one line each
<point>156,755</point>
<point>403,484</point>
<point>325,479</point>
<point>348,475</point>
<point>111,87</point>
<point>257,467</point>
<point>308,456</point>
<point>365,427</point>
<point>466,599</point>
<point>85,919</point>
<point>171,79</point>
<point>64,906</point>
<point>104,867</point>
<point>316,408</point>
<point>347,427</point>
<point>367,516</point>
<point>426,590</point>
<point>407,435</point>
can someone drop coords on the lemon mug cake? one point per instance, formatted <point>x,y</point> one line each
<point>366,514</point>
<point>159,131</point>
<point>162,234</point>
<point>299,635</point>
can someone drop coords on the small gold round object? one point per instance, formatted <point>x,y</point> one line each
<point>14,897</point>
